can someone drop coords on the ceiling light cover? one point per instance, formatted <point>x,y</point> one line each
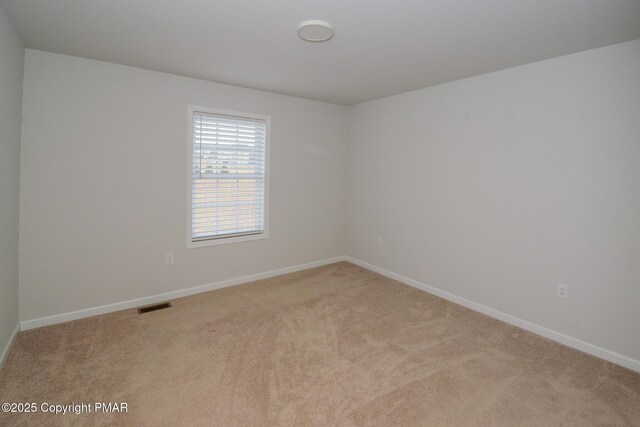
<point>315,31</point>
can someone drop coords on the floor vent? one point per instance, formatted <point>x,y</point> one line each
<point>154,307</point>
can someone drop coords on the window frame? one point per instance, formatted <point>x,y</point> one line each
<point>215,241</point>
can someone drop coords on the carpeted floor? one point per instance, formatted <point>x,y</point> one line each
<point>336,345</point>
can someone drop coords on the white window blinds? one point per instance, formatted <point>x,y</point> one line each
<point>227,176</point>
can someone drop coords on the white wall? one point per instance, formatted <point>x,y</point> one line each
<point>492,188</point>
<point>103,184</point>
<point>496,187</point>
<point>11,67</point>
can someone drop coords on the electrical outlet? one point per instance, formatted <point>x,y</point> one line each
<point>562,290</point>
<point>169,258</point>
<point>379,241</point>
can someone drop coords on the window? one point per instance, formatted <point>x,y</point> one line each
<point>227,177</point>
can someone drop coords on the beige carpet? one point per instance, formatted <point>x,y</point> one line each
<point>336,345</point>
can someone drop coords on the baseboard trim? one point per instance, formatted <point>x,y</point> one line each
<point>7,347</point>
<point>583,346</point>
<point>125,305</point>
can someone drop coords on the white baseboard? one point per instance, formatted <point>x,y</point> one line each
<point>124,305</point>
<point>594,350</point>
<point>7,347</point>
<point>583,346</point>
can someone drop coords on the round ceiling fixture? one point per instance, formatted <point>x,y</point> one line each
<point>315,31</point>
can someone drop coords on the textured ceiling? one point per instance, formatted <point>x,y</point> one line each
<point>380,47</point>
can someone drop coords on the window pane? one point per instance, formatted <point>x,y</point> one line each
<point>228,176</point>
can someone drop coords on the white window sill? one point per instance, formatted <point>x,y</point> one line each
<point>225,240</point>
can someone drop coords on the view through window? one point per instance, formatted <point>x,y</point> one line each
<point>227,176</point>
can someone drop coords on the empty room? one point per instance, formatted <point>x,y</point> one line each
<point>320,213</point>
